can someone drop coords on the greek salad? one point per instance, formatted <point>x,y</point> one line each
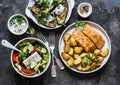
<point>33,59</point>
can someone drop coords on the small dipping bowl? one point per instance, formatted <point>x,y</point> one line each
<point>84,9</point>
<point>17,24</point>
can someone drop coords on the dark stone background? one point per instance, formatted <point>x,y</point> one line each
<point>105,12</point>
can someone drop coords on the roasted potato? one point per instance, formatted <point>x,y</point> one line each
<point>79,67</point>
<point>76,56</point>
<point>100,58</point>
<point>71,52</point>
<point>72,41</point>
<point>96,51</point>
<point>77,60</point>
<point>70,61</point>
<point>65,55</point>
<point>67,47</point>
<point>66,37</point>
<point>86,68</point>
<point>83,54</point>
<point>93,66</point>
<point>104,52</point>
<point>78,50</point>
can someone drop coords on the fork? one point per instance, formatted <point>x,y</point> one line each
<point>52,47</point>
<point>41,36</point>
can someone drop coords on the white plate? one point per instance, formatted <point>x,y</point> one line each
<point>31,16</point>
<point>100,30</point>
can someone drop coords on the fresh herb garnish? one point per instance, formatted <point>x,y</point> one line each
<point>42,17</point>
<point>44,3</point>
<point>57,2</point>
<point>79,24</point>
<point>30,31</point>
<point>19,19</point>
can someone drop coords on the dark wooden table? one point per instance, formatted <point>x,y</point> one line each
<point>105,12</point>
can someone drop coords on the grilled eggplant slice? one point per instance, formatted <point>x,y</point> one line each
<point>35,10</point>
<point>52,24</point>
<point>61,18</point>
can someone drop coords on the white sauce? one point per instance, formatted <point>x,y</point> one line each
<point>59,10</point>
<point>50,19</point>
<point>16,27</point>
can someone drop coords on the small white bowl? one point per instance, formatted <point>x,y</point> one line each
<point>23,30</point>
<point>80,9</point>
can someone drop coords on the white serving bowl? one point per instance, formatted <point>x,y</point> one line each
<point>35,75</point>
<point>84,15</point>
<point>24,29</point>
<point>28,12</point>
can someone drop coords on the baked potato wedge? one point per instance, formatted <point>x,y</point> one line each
<point>78,50</point>
<point>79,67</point>
<point>67,47</point>
<point>65,55</point>
<point>76,55</point>
<point>104,52</point>
<point>97,51</point>
<point>66,37</point>
<point>77,60</point>
<point>71,52</point>
<point>100,59</point>
<point>86,68</point>
<point>70,61</point>
<point>72,41</point>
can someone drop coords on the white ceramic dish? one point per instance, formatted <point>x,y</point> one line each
<point>24,29</point>
<point>48,64</point>
<point>100,30</point>
<point>80,6</point>
<point>30,15</point>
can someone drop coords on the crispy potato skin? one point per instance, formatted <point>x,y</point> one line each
<point>86,68</point>
<point>78,50</point>
<point>100,58</point>
<point>65,55</point>
<point>97,51</point>
<point>71,52</point>
<point>72,41</point>
<point>93,66</point>
<point>104,52</point>
<point>79,67</point>
<point>67,47</point>
<point>70,61</point>
<point>77,60</point>
<point>66,37</point>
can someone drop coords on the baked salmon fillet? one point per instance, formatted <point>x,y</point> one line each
<point>93,35</point>
<point>83,41</point>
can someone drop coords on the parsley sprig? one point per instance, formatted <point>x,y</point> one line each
<point>79,24</point>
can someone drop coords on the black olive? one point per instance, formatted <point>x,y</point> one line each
<point>21,63</point>
<point>41,68</point>
<point>41,54</point>
<point>35,43</point>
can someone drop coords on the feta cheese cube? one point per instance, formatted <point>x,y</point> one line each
<point>32,60</point>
